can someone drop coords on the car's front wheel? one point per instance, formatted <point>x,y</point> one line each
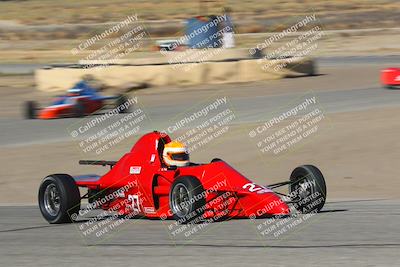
<point>307,189</point>
<point>59,198</point>
<point>187,199</point>
<point>30,110</point>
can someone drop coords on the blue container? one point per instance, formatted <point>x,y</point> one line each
<point>203,33</point>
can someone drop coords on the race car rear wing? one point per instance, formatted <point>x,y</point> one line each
<point>98,162</point>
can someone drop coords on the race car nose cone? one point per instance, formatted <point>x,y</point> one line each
<point>271,205</point>
<point>47,113</point>
<point>282,209</point>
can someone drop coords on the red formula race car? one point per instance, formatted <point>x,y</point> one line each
<point>141,183</point>
<point>79,101</point>
<point>390,77</point>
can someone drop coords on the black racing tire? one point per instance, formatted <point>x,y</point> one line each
<point>121,100</point>
<point>216,160</point>
<point>308,189</point>
<point>59,199</point>
<point>187,190</point>
<point>30,110</point>
<point>79,110</point>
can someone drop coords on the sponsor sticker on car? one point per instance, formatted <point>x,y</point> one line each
<point>135,169</point>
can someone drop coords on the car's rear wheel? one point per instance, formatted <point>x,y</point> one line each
<point>79,109</point>
<point>187,199</point>
<point>59,198</point>
<point>121,104</point>
<point>308,189</point>
<point>30,109</point>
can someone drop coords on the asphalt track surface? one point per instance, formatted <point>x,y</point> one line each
<point>350,233</point>
<point>254,106</point>
<point>247,108</point>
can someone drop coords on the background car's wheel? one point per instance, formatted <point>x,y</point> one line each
<point>308,189</point>
<point>120,104</point>
<point>216,160</point>
<point>59,198</point>
<point>30,110</point>
<point>186,199</point>
<point>79,109</point>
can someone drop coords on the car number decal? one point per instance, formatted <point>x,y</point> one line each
<point>252,187</point>
<point>135,202</point>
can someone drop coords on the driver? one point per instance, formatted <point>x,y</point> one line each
<point>175,154</point>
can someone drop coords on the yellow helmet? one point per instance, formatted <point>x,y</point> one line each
<point>175,153</point>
